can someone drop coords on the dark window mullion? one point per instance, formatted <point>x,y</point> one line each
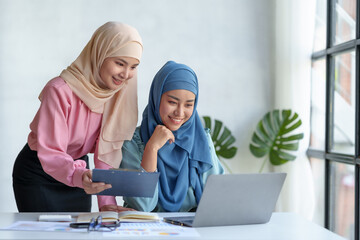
<point>357,34</point>
<point>357,124</point>
<point>329,33</point>
<point>315,153</point>
<point>328,138</point>
<point>337,49</point>
<point>341,158</point>
<point>343,47</point>
<point>356,223</point>
<point>335,157</point>
<point>319,54</point>
<point>331,23</point>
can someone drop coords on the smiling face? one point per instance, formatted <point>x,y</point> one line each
<point>115,71</point>
<point>176,107</point>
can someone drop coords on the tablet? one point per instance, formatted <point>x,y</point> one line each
<point>127,182</point>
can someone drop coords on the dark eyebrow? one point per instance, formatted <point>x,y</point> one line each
<point>122,60</point>
<point>125,62</point>
<point>191,100</point>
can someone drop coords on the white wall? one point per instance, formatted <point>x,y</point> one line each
<point>229,44</point>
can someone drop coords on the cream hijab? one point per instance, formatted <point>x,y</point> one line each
<point>119,107</point>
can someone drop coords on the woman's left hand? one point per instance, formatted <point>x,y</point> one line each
<point>90,187</point>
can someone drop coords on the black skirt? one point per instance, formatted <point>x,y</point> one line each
<point>36,191</point>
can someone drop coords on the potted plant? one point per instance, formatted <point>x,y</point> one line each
<point>222,139</point>
<point>274,137</point>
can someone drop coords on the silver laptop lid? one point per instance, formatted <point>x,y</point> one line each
<point>235,199</point>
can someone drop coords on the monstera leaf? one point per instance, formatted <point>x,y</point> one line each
<point>222,139</point>
<point>273,137</point>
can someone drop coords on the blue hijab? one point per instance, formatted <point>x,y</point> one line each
<point>181,163</point>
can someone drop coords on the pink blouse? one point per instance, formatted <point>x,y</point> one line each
<point>64,129</point>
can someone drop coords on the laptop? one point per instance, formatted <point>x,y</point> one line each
<point>235,199</point>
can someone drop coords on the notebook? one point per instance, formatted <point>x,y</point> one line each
<point>235,199</point>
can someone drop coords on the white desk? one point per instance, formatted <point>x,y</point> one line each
<point>282,226</point>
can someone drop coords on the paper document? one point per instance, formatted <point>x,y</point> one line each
<point>42,226</point>
<point>158,230</point>
<point>154,229</point>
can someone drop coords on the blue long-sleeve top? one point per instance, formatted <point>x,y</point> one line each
<point>133,151</point>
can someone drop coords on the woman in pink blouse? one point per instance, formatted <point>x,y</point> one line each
<point>90,108</point>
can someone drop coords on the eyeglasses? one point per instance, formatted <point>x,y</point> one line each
<point>100,226</point>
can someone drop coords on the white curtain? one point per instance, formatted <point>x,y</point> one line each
<point>294,31</point>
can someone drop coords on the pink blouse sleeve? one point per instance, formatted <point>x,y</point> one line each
<point>102,199</point>
<point>52,137</point>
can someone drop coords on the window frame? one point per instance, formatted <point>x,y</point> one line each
<point>332,49</point>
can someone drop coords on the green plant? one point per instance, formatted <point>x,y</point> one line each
<point>222,142</point>
<point>273,137</point>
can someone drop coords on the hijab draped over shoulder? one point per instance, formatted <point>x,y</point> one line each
<point>118,107</point>
<point>181,163</point>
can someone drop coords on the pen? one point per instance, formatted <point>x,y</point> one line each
<point>174,222</point>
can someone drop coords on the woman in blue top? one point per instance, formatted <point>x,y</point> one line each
<point>172,141</point>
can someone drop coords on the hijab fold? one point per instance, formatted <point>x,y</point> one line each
<point>118,107</point>
<point>181,163</point>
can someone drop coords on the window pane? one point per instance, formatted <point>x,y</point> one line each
<point>320,26</point>
<point>342,199</point>
<point>318,170</point>
<point>345,20</point>
<point>344,104</point>
<point>318,89</point>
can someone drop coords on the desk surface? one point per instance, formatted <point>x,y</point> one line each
<point>287,226</point>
